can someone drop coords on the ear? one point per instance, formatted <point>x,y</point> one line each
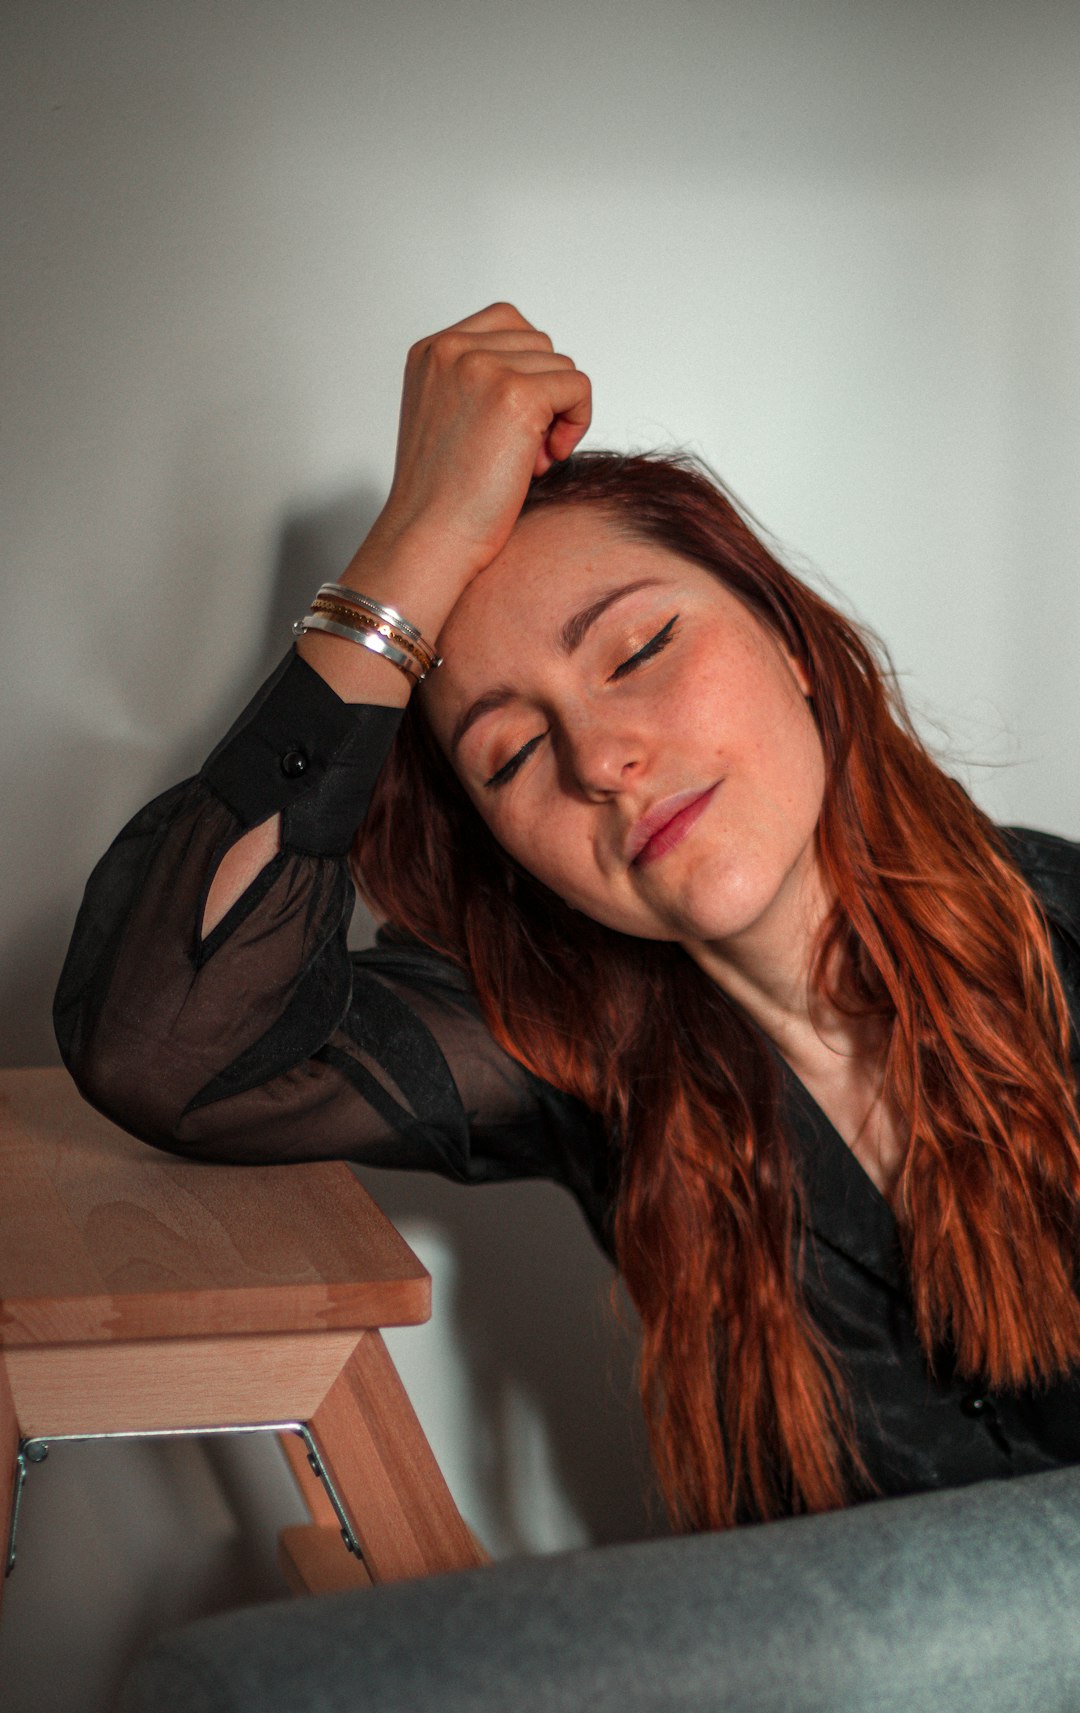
<point>798,671</point>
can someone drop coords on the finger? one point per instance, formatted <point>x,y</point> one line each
<point>517,340</point>
<point>563,436</point>
<point>492,375</point>
<point>451,345</point>
<point>568,427</point>
<point>499,339</point>
<point>570,396</point>
<point>570,402</point>
<point>520,362</point>
<point>496,317</point>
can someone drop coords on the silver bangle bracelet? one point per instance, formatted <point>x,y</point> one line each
<point>366,638</point>
<point>389,615</point>
<point>332,607</point>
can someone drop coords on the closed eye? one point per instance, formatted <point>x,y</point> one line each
<point>653,646</point>
<point>649,649</point>
<point>509,768</point>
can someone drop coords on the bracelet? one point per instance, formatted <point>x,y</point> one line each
<point>336,594</point>
<point>389,615</point>
<point>347,613</point>
<point>366,638</point>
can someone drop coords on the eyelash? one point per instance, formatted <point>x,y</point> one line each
<point>651,648</point>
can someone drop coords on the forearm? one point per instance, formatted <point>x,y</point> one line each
<point>150,1009</point>
<point>486,405</point>
<point>410,572</point>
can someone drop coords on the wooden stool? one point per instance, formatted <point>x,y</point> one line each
<point>141,1293</point>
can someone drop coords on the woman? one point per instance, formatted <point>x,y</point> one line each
<point>682,915</point>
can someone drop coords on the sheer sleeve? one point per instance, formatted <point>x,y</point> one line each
<point>268,1041</point>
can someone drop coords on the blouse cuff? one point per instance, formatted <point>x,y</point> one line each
<point>299,748</point>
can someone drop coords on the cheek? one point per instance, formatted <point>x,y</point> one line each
<point>553,842</point>
<point>805,756</point>
<point>787,746</point>
<point>767,706</point>
<point>543,839</point>
<point>721,690</point>
<point>529,837</point>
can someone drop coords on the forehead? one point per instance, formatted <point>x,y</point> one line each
<point>557,562</point>
<point>554,556</point>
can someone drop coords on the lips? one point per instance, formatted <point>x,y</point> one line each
<point>671,815</point>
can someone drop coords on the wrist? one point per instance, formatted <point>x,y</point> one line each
<point>414,570</point>
<point>406,571</point>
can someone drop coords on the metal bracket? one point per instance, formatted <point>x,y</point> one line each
<point>16,1500</point>
<point>37,1450</point>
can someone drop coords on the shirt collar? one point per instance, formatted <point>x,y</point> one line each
<point>843,1206</point>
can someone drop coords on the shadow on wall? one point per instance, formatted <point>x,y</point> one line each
<point>92,766</point>
<point>315,546</point>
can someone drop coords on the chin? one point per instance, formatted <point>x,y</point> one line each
<point>731,899</point>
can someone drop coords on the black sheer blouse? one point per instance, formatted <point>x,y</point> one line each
<point>270,1041</point>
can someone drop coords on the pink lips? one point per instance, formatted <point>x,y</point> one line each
<point>665,824</point>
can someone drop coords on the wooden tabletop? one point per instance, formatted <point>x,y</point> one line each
<point>103,1238</point>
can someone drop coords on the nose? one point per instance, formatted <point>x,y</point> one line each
<point>601,757</point>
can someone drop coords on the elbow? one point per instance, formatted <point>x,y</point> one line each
<point>159,1105</point>
<point>135,1097</point>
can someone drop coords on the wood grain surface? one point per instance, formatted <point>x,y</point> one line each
<point>177,1382</point>
<point>314,1560</point>
<point>381,1464</point>
<point>140,1291</point>
<point>103,1238</point>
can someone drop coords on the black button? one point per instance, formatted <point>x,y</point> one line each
<point>294,763</point>
<point>976,1404</point>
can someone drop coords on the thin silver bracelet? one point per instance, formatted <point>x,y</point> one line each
<point>367,639</point>
<point>389,615</point>
<point>355,618</point>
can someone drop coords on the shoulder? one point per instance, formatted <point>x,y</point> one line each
<point>1050,852</point>
<point>1051,866</point>
<point>396,952</point>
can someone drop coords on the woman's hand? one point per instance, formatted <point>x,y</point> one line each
<point>486,404</point>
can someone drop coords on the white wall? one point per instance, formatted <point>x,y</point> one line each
<point>831,245</point>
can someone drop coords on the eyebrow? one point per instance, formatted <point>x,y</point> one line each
<point>571,636</point>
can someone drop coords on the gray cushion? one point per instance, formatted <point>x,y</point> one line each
<point>967,1599</point>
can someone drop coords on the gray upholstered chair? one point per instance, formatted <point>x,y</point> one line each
<point>968,1599</point>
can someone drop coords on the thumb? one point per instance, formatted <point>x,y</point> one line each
<point>562,437</point>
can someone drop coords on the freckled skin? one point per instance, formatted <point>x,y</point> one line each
<point>722,701</point>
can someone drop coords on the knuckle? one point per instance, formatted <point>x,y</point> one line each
<point>473,363</point>
<point>450,344</point>
<point>507,311</point>
<point>514,396</point>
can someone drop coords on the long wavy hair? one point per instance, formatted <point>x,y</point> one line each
<point>933,931</point>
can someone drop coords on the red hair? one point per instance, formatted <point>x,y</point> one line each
<point>933,930</point>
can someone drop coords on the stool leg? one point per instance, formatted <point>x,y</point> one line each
<point>382,1466</point>
<point>313,1556</point>
<point>9,1446</point>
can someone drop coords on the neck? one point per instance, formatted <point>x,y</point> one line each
<point>765,969</point>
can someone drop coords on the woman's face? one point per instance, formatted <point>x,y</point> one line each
<point>630,732</point>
